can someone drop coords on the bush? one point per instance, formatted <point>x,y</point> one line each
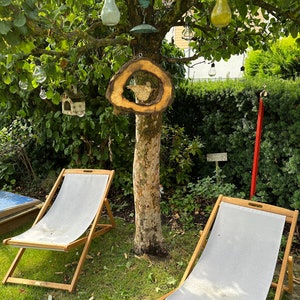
<point>224,115</point>
<point>282,60</point>
<point>187,202</point>
<point>14,141</point>
<point>178,155</point>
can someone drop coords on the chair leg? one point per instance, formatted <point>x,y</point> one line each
<point>79,266</point>
<point>289,288</point>
<point>13,265</point>
<point>88,242</point>
<point>290,267</point>
<point>109,212</point>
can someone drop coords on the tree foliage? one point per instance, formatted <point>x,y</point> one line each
<point>78,53</point>
<point>282,60</point>
<point>76,49</point>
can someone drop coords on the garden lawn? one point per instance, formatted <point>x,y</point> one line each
<point>112,271</point>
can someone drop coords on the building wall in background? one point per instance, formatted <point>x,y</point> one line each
<point>198,69</point>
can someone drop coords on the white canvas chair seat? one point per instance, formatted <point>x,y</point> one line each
<point>240,255</point>
<point>69,216</point>
<point>80,198</point>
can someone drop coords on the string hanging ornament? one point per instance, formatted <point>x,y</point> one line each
<point>221,14</point>
<point>144,3</point>
<point>110,14</point>
<point>144,28</point>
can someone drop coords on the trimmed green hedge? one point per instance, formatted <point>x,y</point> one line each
<point>224,115</point>
<point>206,117</point>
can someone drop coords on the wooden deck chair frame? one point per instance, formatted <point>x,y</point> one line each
<point>287,261</point>
<point>95,230</point>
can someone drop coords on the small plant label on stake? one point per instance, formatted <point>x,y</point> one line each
<point>216,157</point>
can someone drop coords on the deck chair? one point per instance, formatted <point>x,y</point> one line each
<point>68,218</point>
<point>237,252</point>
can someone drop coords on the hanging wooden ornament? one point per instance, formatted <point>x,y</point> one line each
<point>115,90</point>
<point>72,108</point>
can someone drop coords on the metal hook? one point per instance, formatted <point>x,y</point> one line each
<point>263,93</point>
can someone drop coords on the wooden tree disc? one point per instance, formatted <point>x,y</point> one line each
<point>164,98</point>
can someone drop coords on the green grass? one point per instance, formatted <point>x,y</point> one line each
<point>112,271</point>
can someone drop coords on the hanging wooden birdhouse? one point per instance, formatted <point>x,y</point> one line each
<point>72,108</point>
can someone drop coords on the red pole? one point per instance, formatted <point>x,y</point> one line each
<point>257,146</point>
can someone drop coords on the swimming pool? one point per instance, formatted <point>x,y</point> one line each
<point>9,200</point>
<point>11,203</point>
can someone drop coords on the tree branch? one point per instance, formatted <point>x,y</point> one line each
<point>91,45</point>
<point>184,60</point>
<point>278,12</point>
<point>176,13</point>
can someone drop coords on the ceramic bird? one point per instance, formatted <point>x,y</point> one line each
<point>142,92</point>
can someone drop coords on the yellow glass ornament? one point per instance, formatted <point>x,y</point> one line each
<point>221,14</point>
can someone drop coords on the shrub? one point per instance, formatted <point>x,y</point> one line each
<point>224,115</point>
<point>178,155</point>
<point>281,60</point>
<point>14,142</point>
<point>187,202</point>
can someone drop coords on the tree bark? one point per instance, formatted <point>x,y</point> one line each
<point>148,107</point>
<point>148,234</point>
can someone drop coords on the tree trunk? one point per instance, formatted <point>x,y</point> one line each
<point>153,90</point>
<point>148,234</point>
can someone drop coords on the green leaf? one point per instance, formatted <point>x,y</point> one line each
<point>294,29</point>
<point>171,281</point>
<point>13,89</point>
<point>5,27</point>
<point>57,114</point>
<point>20,20</point>
<point>56,98</point>
<point>12,38</point>
<point>7,79</point>
<point>4,2</point>
<point>22,113</point>
<point>64,45</point>
<point>48,124</point>
<point>49,94</point>
<point>151,277</point>
<point>27,47</point>
<point>34,84</point>
<point>23,30</point>
<point>242,10</point>
<point>9,61</point>
<point>49,132</point>
<point>30,9</point>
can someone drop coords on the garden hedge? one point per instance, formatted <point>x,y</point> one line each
<point>216,116</point>
<point>224,115</point>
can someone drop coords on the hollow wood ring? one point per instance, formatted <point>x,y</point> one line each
<point>164,98</point>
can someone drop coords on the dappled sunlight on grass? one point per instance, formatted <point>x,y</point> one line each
<point>111,271</point>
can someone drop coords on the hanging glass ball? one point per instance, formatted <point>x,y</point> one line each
<point>23,84</point>
<point>43,94</point>
<point>39,74</point>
